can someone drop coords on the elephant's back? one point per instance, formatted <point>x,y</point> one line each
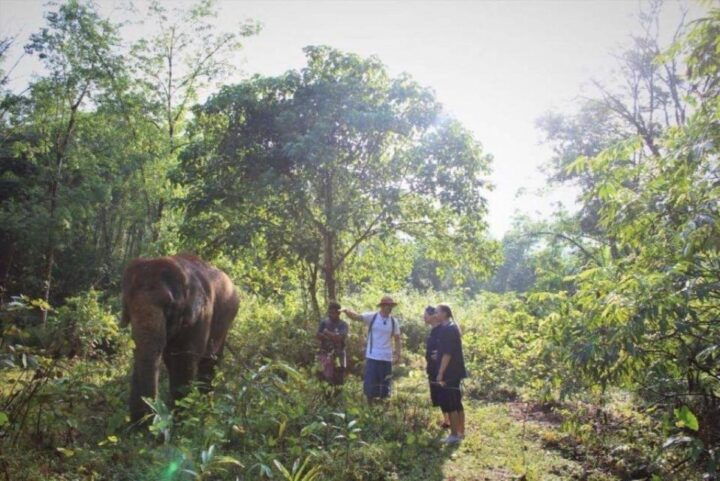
<point>224,293</point>
<point>224,297</point>
<point>185,286</point>
<point>227,299</point>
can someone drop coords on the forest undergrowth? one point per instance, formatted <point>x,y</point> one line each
<point>65,417</point>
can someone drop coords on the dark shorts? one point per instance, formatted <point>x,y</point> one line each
<point>378,374</point>
<point>434,393</point>
<point>450,397</point>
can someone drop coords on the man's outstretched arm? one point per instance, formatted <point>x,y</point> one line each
<point>352,314</point>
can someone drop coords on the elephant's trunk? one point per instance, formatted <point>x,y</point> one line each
<point>148,332</point>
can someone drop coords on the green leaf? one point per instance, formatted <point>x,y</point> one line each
<point>68,453</point>
<point>228,460</point>
<point>4,419</point>
<point>282,469</point>
<point>686,418</point>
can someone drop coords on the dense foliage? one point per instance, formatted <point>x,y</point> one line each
<point>593,346</point>
<point>315,164</point>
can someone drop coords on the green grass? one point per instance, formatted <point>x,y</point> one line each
<point>399,440</point>
<point>496,447</point>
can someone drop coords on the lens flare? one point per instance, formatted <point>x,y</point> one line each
<point>171,470</point>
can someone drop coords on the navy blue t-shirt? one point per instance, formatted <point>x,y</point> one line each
<point>450,342</point>
<point>431,352</point>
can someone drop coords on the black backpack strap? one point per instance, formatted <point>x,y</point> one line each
<point>370,339</point>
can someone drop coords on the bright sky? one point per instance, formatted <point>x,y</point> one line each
<point>495,65</point>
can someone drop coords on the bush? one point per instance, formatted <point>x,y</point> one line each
<point>84,326</point>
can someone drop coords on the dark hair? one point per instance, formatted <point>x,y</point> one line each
<point>430,310</point>
<point>446,309</point>
<point>334,305</point>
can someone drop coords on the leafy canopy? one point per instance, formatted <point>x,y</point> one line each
<point>316,162</point>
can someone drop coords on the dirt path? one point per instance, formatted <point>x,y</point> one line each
<point>500,446</point>
<point>497,447</point>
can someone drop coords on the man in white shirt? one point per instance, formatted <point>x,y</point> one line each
<point>383,328</point>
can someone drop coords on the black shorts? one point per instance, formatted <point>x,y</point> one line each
<point>450,397</point>
<point>435,393</point>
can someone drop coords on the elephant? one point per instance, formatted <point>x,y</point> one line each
<point>180,309</point>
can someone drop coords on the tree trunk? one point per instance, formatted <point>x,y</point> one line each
<point>329,266</point>
<point>158,217</point>
<point>7,253</point>
<point>50,251</point>
<point>312,291</point>
<point>50,262</point>
<point>60,150</point>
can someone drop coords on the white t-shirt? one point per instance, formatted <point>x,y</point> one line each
<point>382,348</point>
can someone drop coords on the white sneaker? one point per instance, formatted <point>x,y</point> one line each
<point>452,439</point>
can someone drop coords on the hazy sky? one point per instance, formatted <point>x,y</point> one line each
<point>495,65</point>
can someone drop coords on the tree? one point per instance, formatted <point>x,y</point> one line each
<point>8,167</point>
<point>87,148</point>
<point>539,255</point>
<point>646,96</point>
<point>318,162</point>
<point>8,99</point>
<point>72,48</point>
<point>644,314</point>
<point>186,55</point>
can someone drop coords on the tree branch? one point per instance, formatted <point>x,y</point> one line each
<point>587,253</point>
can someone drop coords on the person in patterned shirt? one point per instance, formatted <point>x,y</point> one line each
<point>332,333</point>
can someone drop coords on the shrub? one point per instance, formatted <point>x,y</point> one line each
<point>84,326</point>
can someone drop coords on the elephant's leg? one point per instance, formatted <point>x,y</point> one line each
<point>182,368</point>
<point>206,372</point>
<point>223,316</point>
<point>148,332</point>
<point>213,353</point>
